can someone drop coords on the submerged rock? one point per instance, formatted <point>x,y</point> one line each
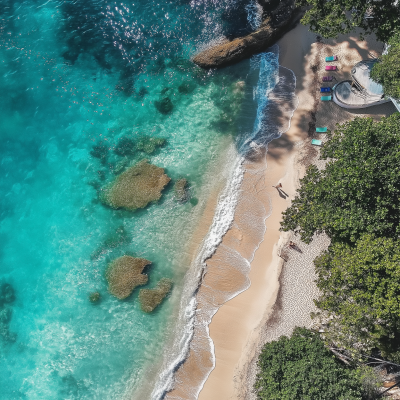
<point>164,105</point>
<point>181,190</point>
<point>148,144</point>
<point>230,52</point>
<point>100,151</point>
<point>112,240</point>
<point>136,187</point>
<point>94,297</point>
<point>125,147</point>
<point>7,294</point>
<point>124,274</point>
<point>151,298</point>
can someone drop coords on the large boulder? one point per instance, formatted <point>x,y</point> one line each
<point>271,30</point>
<point>124,274</point>
<point>136,187</point>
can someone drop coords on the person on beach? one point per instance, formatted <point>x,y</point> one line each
<point>278,186</point>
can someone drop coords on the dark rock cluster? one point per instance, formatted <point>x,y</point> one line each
<point>280,18</point>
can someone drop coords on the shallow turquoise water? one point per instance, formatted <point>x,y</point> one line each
<point>76,75</point>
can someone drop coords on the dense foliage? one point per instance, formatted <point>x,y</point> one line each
<point>387,71</point>
<point>302,368</point>
<point>358,191</point>
<point>360,291</point>
<point>332,17</point>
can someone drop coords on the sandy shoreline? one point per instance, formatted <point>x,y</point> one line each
<point>275,295</point>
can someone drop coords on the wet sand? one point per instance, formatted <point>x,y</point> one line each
<point>277,285</point>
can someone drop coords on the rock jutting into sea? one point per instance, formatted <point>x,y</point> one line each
<point>136,187</point>
<point>151,298</point>
<point>279,22</point>
<point>124,274</point>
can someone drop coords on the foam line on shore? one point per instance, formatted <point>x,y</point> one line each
<point>275,99</point>
<point>222,221</point>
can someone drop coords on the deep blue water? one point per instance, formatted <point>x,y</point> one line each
<point>76,77</point>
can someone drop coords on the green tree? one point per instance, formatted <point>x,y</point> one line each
<point>358,191</point>
<point>387,71</point>
<point>332,17</point>
<point>360,293</point>
<point>302,368</point>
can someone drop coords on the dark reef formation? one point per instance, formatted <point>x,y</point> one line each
<point>124,274</point>
<point>151,298</point>
<point>279,18</point>
<point>7,297</point>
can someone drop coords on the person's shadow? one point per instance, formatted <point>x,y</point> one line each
<point>282,193</point>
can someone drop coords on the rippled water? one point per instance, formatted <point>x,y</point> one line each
<point>77,77</point>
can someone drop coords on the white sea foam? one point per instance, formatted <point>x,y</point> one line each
<point>221,223</point>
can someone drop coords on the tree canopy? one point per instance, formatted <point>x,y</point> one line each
<point>301,367</point>
<point>358,191</point>
<point>387,71</point>
<point>360,291</point>
<point>332,17</point>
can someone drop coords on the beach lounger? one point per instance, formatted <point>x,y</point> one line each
<point>316,142</point>
<point>325,90</point>
<point>321,130</point>
<point>327,78</point>
<point>330,68</point>
<point>326,98</point>
<point>332,58</point>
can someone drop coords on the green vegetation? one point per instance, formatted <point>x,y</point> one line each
<point>151,298</point>
<point>332,17</point>
<point>124,274</point>
<point>355,201</point>
<point>301,367</point>
<point>360,289</point>
<point>358,191</point>
<point>387,71</point>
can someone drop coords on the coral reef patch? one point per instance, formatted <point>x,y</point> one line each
<point>181,190</point>
<point>136,187</point>
<point>124,274</point>
<point>149,144</point>
<point>151,298</point>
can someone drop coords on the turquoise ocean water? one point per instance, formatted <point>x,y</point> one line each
<point>77,80</point>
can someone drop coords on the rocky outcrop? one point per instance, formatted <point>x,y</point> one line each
<point>136,187</point>
<point>279,21</point>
